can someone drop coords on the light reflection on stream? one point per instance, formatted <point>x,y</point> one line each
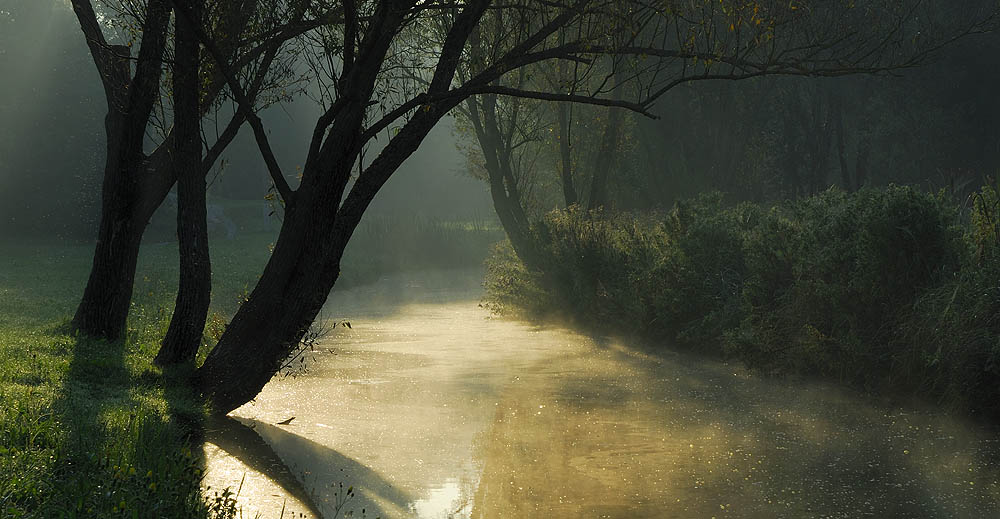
<point>429,408</point>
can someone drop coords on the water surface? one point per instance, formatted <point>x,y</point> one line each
<point>430,408</point>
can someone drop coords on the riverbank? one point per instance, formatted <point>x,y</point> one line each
<point>92,429</point>
<point>892,291</point>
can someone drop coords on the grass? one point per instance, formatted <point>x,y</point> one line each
<point>87,428</point>
<point>92,429</point>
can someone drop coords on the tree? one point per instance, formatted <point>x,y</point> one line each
<point>397,60</point>
<point>194,292</point>
<point>394,60</point>
<point>136,183</point>
<point>130,100</point>
<point>700,42</point>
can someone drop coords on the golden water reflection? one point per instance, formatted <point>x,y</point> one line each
<point>437,410</point>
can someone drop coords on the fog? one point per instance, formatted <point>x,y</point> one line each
<point>52,147</point>
<point>581,270</point>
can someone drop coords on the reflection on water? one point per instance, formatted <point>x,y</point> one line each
<point>450,499</point>
<point>429,408</point>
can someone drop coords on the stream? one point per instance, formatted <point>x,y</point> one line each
<point>429,407</point>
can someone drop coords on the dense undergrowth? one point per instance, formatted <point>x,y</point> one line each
<point>92,429</point>
<point>892,290</point>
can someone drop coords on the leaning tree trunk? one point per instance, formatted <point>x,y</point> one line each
<point>271,322</point>
<point>187,324</point>
<point>302,269</point>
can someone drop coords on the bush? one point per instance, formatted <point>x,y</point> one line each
<point>833,275</point>
<point>884,288</point>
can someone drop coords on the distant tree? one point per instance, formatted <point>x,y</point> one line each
<point>708,42</point>
<point>697,42</point>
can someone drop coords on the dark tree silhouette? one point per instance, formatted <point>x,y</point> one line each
<point>194,292</point>
<point>392,70</point>
<point>136,183</point>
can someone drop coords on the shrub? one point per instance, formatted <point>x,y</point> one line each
<point>833,274</point>
<point>883,288</point>
<point>949,344</point>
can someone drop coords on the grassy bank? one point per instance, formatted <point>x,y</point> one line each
<point>892,291</point>
<point>87,428</point>
<point>91,429</point>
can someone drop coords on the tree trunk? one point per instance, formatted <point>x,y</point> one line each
<point>606,159</point>
<point>269,325</point>
<point>104,307</point>
<point>861,166</point>
<point>845,172</point>
<point>507,202</point>
<point>298,277</point>
<point>126,207</point>
<point>183,338</point>
<point>565,150</point>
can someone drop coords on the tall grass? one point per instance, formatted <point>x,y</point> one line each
<point>887,289</point>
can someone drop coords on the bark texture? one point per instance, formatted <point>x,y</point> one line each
<point>183,338</point>
<point>104,307</point>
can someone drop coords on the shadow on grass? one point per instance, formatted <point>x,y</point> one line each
<point>96,379</point>
<point>125,451</point>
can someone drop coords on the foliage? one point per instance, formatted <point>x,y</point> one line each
<point>849,268</point>
<point>885,289</point>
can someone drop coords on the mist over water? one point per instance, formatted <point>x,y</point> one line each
<point>429,407</point>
